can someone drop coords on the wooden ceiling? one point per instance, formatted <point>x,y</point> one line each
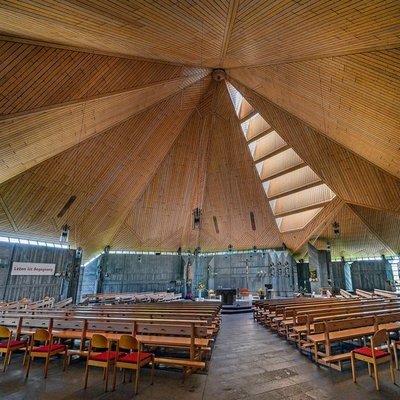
<point>113,102</point>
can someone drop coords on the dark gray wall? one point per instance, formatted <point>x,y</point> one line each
<point>36,287</point>
<point>369,275</point>
<point>320,261</point>
<point>338,276</point>
<point>118,273</point>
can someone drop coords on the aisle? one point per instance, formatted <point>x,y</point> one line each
<point>251,363</point>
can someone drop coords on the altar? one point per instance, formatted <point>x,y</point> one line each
<point>228,296</point>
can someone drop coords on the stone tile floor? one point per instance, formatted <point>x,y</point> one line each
<point>248,362</point>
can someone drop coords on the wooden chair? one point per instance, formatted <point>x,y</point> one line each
<point>46,349</point>
<point>103,359</point>
<point>134,359</point>
<point>395,347</point>
<point>372,355</point>
<point>8,345</point>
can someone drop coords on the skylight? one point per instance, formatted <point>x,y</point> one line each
<point>295,193</point>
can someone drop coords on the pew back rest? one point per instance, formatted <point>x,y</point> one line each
<point>171,330</point>
<point>110,327</point>
<point>387,318</point>
<point>331,326</point>
<point>32,322</point>
<point>69,324</point>
<point>11,322</point>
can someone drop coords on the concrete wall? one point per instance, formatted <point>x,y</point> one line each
<point>119,273</point>
<point>369,275</point>
<point>36,287</point>
<point>182,274</point>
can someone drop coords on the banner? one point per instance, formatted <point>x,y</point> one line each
<point>26,268</point>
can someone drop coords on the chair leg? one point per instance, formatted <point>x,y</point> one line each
<point>392,371</point>
<point>106,382</point>
<point>65,359</point>
<point>25,355</point>
<point>28,366</point>
<point>9,359</point>
<point>137,376</point>
<point>5,361</point>
<point>353,367</point>
<point>86,374</point>
<point>114,377</point>
<point>396,357</point>
<point>46,366</point>
<point>152,372</point>
<point>369,369</point>
<point>376,377</point>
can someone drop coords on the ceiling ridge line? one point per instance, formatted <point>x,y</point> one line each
<point>230,21</point>
<point>139,196</point>
<point>92,99</point>
<point>33,42</point>
<point>327,57</point>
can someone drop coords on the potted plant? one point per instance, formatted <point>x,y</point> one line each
<point>261,293</point>
<point>200,287</point>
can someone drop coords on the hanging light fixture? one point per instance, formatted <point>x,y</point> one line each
<point>336,229</point>
<point>197,217</point>
<point>64,233</point>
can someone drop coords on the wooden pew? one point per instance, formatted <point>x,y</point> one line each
<point>386,294</point>
<point>190,337</point>
<point>328,332</point>
<point>346,294</point>
<point>364,294</point>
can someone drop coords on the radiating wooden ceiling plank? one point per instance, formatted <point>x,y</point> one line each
<point>30,138</point>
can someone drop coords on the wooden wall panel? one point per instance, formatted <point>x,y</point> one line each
<point>269,32</point>
<point>107,174</point>
<point>27,140</point>
<point>37,76</point>
<point>385,225</point>
<point>184,32</point>
<point>352,99</point>
<point>233,187</point>
<point>350,176</point>
<point>162,218</point>
<point>355,239</point>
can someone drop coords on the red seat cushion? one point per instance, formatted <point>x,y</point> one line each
<point>397,342</point>
<point>103,356</point>
<point>133,357</point>
<point>13,343</point>
<point>45,349</point>
<point>366,351</point>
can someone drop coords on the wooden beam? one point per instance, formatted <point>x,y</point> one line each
<point>248,116</point>
<point>284,172</point>
<point>8,214</point>
<point>260,135</point>
<point>272,154</point>
<point>296,190</point>
<point>233,7</point>
<point>298,210</point>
